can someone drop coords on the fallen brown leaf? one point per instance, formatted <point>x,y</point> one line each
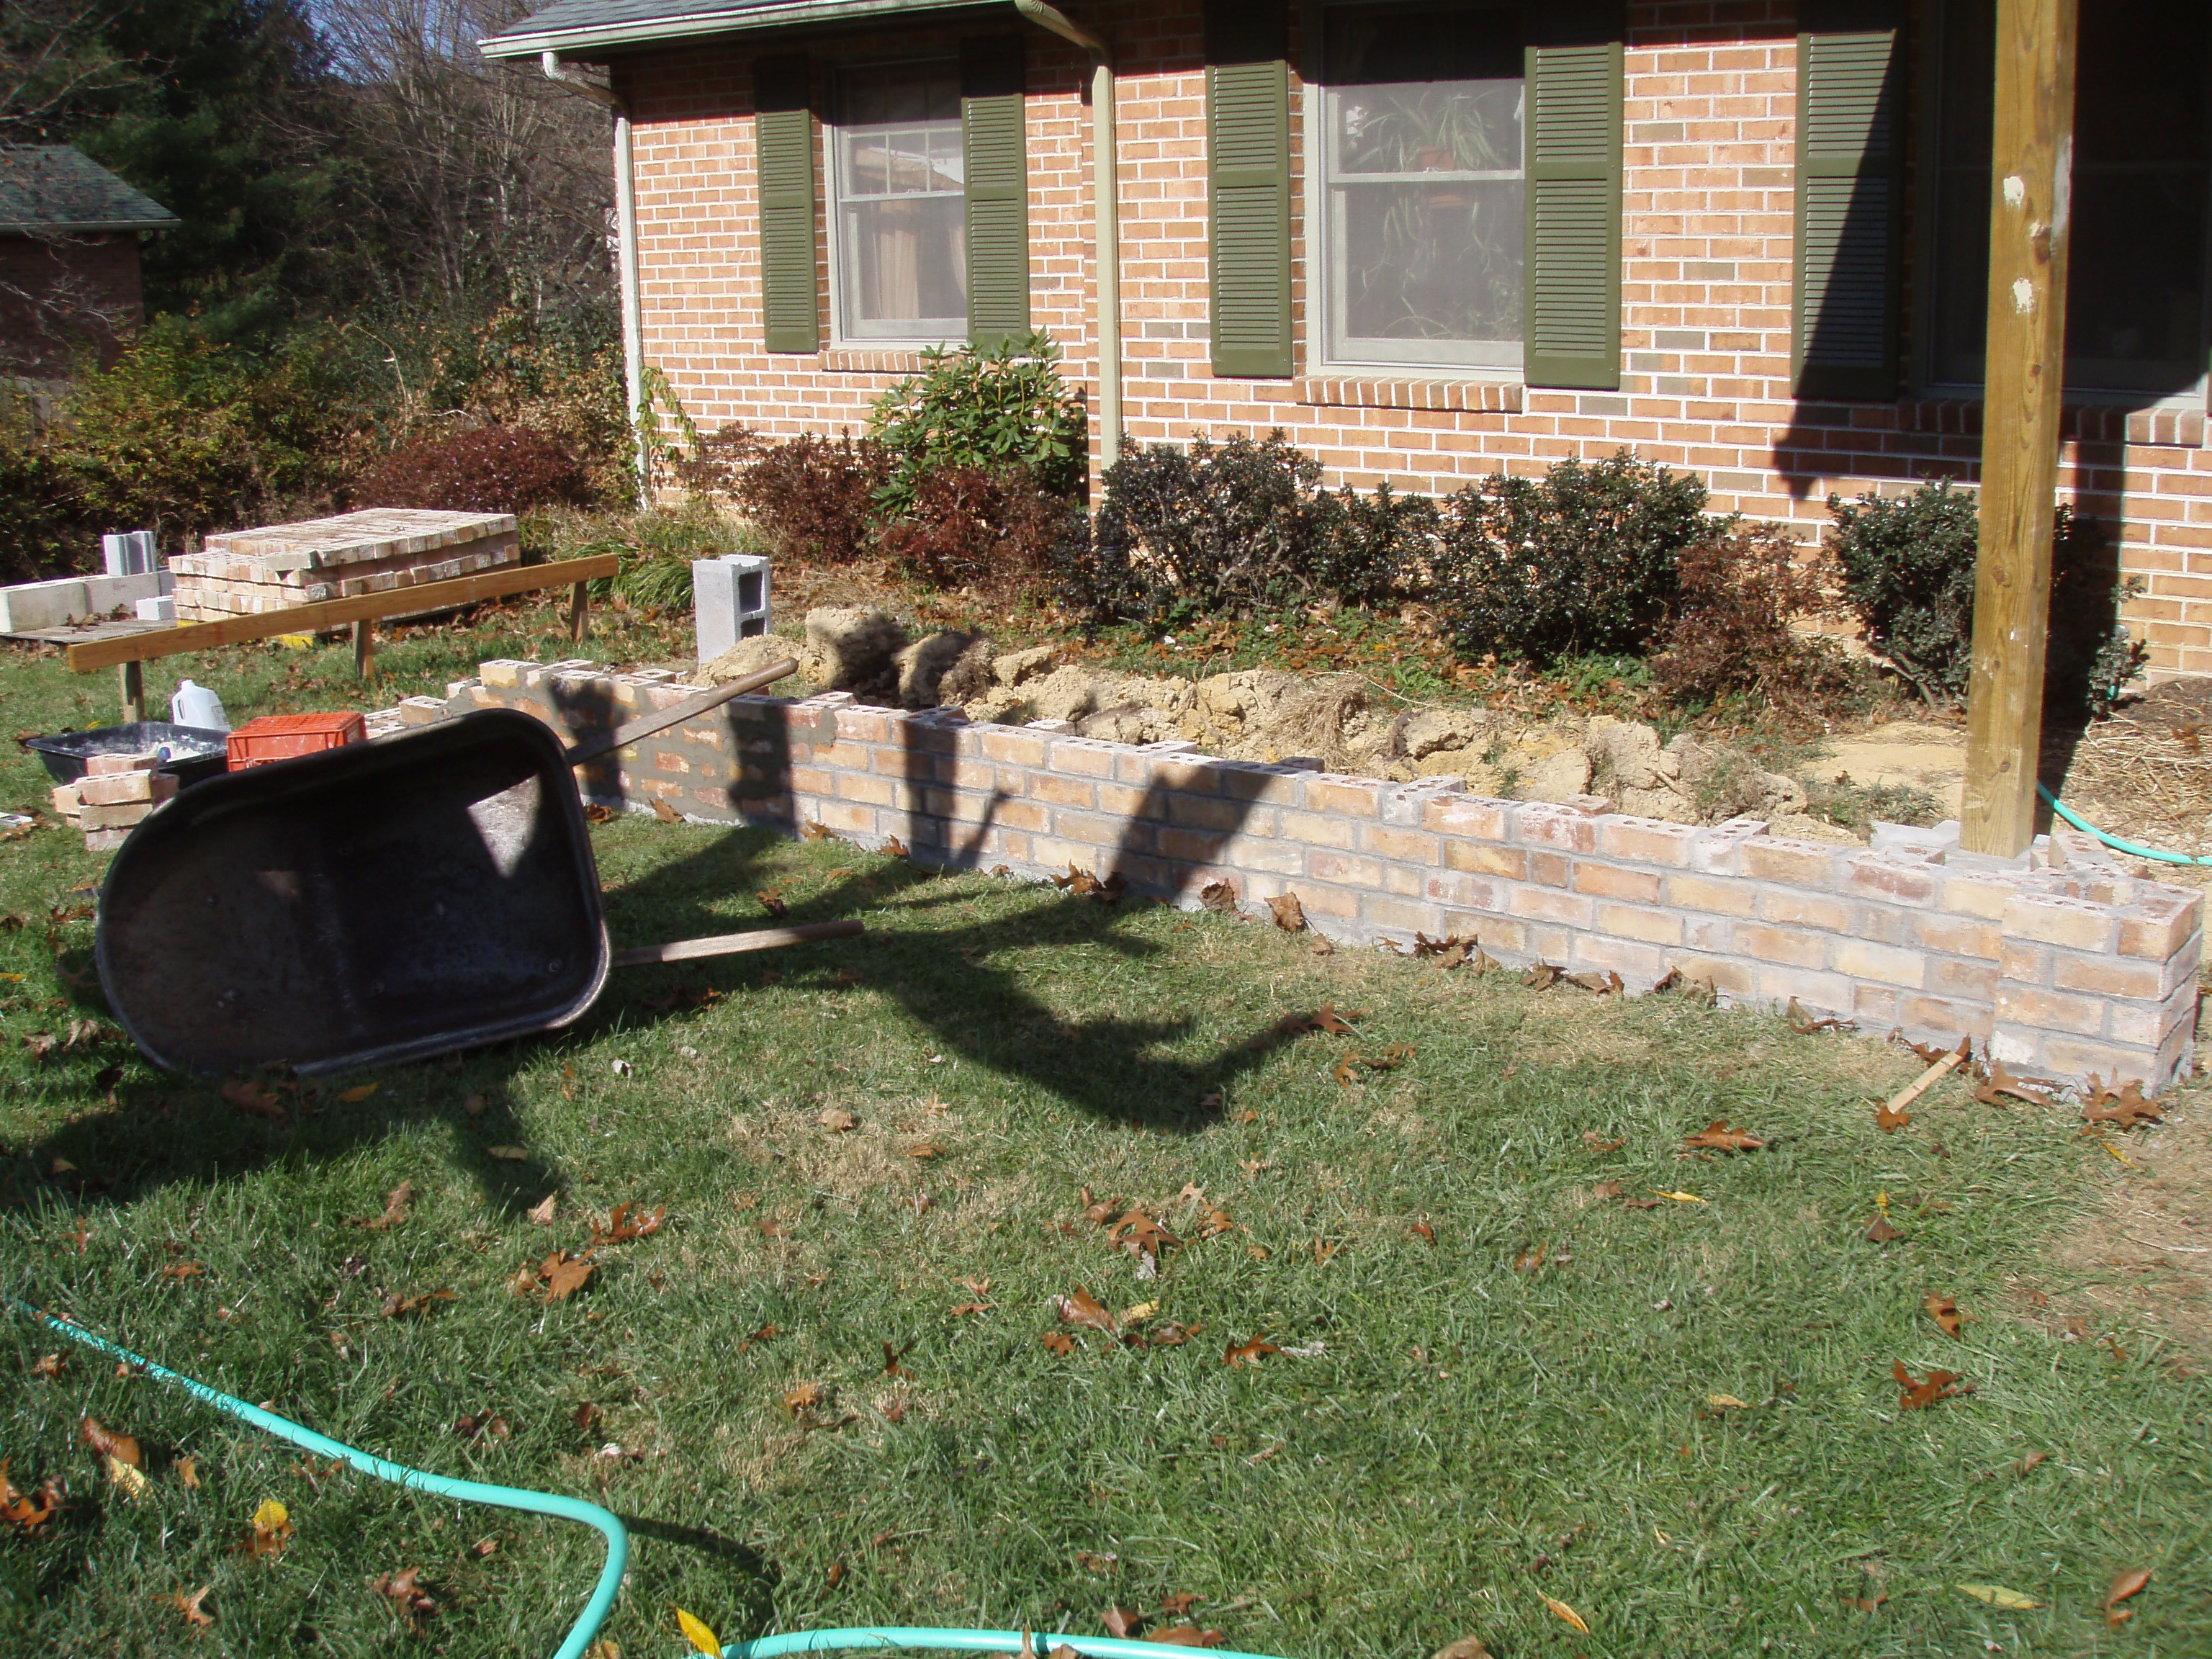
<point>271,1532</point>
<point>1121,1623</point>
<point>1084,1309</point>
<point>1878,1231</point>
<point>1542,975</point>
<point>774,905</point>
<point>1422,1230</point>
<point>396,1306</point>
<point>564,1274</point>
<point>1186,1636</point>
<point>1290,914</point>
<point>397,1204</point>
<point>192,1607</point>
<point>627,1221</point>
<point>49,1366</point>
<point>183,1270</point>
<point>836,1119</point>
<point>406,1593</point>
<point>2125,1108</point>
<point>1805,1024</point>
<point>2001,1084</point>
<point>1249,1353</point>
<point>1468,1647</point>
<point>1059,1342</point>
<point>2126,1583</point>
<point>1945,1312</point>
<point>22,1509</point>
<point>248,1096</point>
<point>1916,1393</point>
<point>1593,1141</point>
<point>1218,897</point>
<point>542,1213</point>
<point>120,1446</point>
<point>1716,1136</point>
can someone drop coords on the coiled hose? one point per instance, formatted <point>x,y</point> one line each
<point>438,1486</point>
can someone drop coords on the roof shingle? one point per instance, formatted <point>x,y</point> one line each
<point>55,187</point>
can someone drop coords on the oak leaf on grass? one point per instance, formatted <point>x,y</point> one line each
<point>1916,1393</point>
<point>1945,1312</point>
<point>1717,1137</point>
<point>2126,1583</point>
<point>1249,1353</point>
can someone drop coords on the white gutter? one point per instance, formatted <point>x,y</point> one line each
<point>632,326</point>
<point>1106,224</point>
<point>732,18</point>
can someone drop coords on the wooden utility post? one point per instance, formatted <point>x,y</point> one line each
<point>2030,167</point>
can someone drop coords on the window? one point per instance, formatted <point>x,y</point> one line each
<point>1423,197</point>
<point>2141,187</point>
<point>900,273</point>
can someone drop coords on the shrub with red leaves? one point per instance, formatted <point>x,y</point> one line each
<point>493,469</point>
<point>1730,633</point>
<point>813,497</point>
<point>994,531</point>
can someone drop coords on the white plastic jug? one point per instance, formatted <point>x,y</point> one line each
<point>195,705</point>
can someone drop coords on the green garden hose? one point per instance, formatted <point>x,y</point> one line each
<point>953,1641</point>
<point>467,1492</point>
<point>2127,847</point>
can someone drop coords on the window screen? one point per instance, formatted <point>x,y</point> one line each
<point>1422,157</point>
<point>901,272</point>
<point>2143,180</point>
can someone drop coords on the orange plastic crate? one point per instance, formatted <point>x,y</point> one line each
<point>280,737</point>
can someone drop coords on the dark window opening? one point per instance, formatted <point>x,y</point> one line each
<point>2141,197</point>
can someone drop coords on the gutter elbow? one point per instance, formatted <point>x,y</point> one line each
<point>565,75</point>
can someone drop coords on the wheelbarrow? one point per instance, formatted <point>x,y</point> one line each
<point>424,892</point>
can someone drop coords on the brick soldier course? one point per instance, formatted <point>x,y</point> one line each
<point>2062,968</point>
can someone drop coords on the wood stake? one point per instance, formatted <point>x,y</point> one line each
<point>364,646</point>
<point>576,614</point>
<point>2030,182</point>
<point>1927,1080</point>
<point>133,678</point>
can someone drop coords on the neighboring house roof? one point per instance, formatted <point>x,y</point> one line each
<point>54,187</point>
<point>582,25</point>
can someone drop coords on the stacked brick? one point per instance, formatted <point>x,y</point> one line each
<point>2060,967</point>
<point>116,793</point>
<point>250,572</point>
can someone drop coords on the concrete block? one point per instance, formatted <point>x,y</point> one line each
<point>29,606</point>
<point>729,601</point>
<point>162,608</point>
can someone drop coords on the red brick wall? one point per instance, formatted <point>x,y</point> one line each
<point>56,295</point>
<point>1711,107</point>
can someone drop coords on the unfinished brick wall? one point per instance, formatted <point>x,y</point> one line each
<point>2061,970</point>
<point>1707,244</point>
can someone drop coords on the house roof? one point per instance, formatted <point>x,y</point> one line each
<point>54,187</point>
<point>583,25</point>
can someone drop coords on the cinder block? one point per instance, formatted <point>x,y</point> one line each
<point>1719,851</point>
<point>1640,966</point>
<point>28,606</point>
<point>1716,895</point>
<point>1794,907</point>
<point>1560,828</point>
<point>502,673</point>
<point>2049,1011</point>
<point>1636,921</point>
<point>120,816</point>
<point>2159,925</point>
<point>1802,864</point>
<point>104,765</point>
<point>115,788</point>
<point>2108,976</point>
<point>1891,878</point>
<point>1647,840</point>
<point>1797,949</point>
<point>729,601</point>
<point>1885,965</point>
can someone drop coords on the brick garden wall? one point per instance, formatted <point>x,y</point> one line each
<point>2060,970</point>
<point>1711,111</point>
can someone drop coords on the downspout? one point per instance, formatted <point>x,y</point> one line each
<point>633,327</point>
<point>1106,230</point>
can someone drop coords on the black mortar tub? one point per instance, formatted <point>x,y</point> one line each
<point>424,892</point>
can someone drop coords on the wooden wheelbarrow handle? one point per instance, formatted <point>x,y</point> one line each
<point>645,726</point>
<point>731,944</point>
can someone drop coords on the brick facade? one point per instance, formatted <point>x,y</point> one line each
<point>1707,247</point>
<point>60,294</point>
<point>2060,968</point>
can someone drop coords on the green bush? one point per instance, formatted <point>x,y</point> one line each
<point>1228,527</point>
<point>990,407</point>
<point>1581,561</point>
<point>180,436</point>
<point>1905,565</point>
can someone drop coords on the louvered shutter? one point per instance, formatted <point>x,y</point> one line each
<point>1248,133</point>
<point>995,168</point>
<point>783,144</point>
<point>1572,283</point>
<point>1850,185</point>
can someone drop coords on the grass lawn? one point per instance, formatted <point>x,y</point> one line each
<point>823,1393</point>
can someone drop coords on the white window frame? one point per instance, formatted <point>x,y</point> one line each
<point>840,340</point>
<point>1324,249</point>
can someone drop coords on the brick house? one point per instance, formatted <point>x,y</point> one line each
<point>69,258</point>
<point>1428,240</point>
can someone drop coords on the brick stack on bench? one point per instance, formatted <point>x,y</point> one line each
<point>252,571</point>
<point>114,793</point>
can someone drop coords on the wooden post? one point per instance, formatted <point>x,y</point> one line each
<point>576,625</point>
<point>133,677</point>
<point>2028,210</point>
<point>364,646</point>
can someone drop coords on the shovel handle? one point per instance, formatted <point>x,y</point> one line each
<point>731,944</point>
<point>690,709</point>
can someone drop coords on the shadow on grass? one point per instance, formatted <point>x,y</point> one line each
<point>971,985</point>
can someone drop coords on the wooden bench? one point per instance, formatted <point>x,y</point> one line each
<point>130,653</point>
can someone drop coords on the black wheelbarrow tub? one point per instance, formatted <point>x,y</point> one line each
<point>370,905</point>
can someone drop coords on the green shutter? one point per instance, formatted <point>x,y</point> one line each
<point>1247,132</point>
<point>1850,185</point>
<point>996,170</point>
<point>783,145</point>
<point>1572,283</point>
